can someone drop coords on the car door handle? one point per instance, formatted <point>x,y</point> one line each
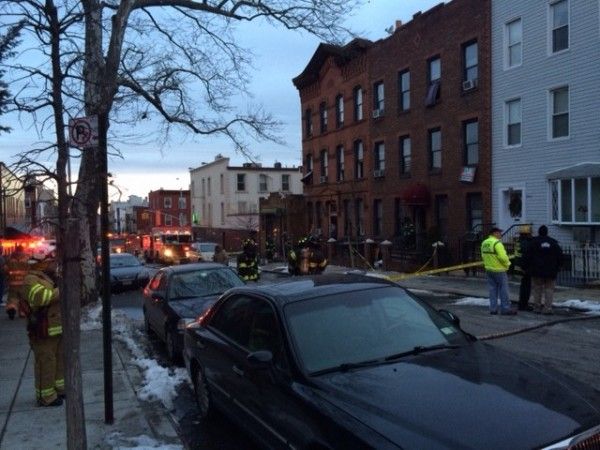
<point>238,371</point>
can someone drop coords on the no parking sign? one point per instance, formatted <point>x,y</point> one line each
<point>83,132</point>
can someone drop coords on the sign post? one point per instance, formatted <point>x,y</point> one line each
<point>83,132</point>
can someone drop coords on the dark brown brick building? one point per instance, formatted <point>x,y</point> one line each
<point>169,208</point>
<point>425,131</point>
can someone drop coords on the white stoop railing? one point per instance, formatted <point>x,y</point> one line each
<point>584,267</point>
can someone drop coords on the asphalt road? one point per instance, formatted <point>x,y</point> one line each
<point>563,342</point>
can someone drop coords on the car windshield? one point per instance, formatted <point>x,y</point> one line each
<point>337,331</point>
<point>202,283</point>
<point>124,261</point>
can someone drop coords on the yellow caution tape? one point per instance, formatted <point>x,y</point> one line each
<point>404,276</point>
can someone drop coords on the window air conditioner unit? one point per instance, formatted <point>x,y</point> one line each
<point>324,179</point>
<point>378,173</point>
<point>469,84</point>
<point>377,113</point>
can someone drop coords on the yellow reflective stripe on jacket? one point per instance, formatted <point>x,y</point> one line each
<point>48,392</point>
<point>55,330</point>
<point>243,265</point>
<point>39,295</point>
<point>60,383</point>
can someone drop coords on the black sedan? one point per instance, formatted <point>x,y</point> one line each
<point>127,272</point>
<point>346,361</point>
<point>176,295</point>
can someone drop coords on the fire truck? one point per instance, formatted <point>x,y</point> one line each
<point>169,245</point>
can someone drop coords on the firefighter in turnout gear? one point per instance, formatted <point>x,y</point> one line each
<point>17,268</point>
<point>247,261</point>
<point>307,258</point>
<point>39,298</point>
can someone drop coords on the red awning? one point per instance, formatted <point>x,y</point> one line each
<point>416,194</point>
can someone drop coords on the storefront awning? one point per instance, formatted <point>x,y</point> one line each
<point>416,194</point>
<point>581,170</point>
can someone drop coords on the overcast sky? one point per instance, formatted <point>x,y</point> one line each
<point>280,55</point>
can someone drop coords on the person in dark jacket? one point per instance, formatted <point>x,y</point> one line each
<point>521,249</point>
<point>543,259</point>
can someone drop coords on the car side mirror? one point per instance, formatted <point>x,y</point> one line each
<point>260,360</point>
<point>450,316</point>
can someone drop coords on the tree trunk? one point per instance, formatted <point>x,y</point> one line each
<point>71,313</point>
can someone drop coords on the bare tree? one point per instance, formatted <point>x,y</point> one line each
<point>133,60</point>
<point>7,42</point>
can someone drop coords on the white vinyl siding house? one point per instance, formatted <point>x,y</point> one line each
<point>545,55</point>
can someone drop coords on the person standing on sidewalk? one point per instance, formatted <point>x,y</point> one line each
<point>544,259</point>
<point>521,250</point>
<point>496,263</point>
<point>40,300</point>
<point>247,261</point>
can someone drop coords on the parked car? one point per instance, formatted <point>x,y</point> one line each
<point>204,251</point>
<point>127,272</point>
<point>346,361</point>
<point>176,295</point>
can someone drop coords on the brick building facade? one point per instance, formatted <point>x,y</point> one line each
<point>424,136</point>
<point>169,208</point>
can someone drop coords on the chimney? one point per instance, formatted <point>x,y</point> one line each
<point>417,14</point>
<point>398,24</point>
<point>277,165</point>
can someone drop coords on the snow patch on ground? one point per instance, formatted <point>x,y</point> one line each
<point>472,301</point>
<point>143,442</point>
<point>582,305</point>
<point>159,383</point>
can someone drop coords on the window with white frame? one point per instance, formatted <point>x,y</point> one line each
<point>222,213</point>
<point>405,155</point>
<point>241,181</point>
<point>358,103</point>
<point>514,43</point>
<point>470,61</point>
<point>167,203</point>
<point>359,160</point>
<point>471,142</point>
<point>209,186</point>
<point>576,200</point>
<point>324,165</point>
<point>377,217</point>
<point>182,201</point>
<point>222,184</point>
<point>404,90</point>
<point>435,149</point>
<point>182,220</point>
<point>379,157</point>
<point>339,157</point>
<point>323,116</point>
<point>285,182</point>
<point>434,80</point>
<point>559,20</point>
<point>168,220</point>
<point>559,100</point>
<point>379,97</point>
<point>513,122</point>
<point>308,124</point>
<point>262,183</point>
<point>339,111</point>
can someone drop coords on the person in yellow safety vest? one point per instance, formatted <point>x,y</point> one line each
<point>40,299</point>
<point>17,268</point>
<point>247,261</point>
<point>496,263</point>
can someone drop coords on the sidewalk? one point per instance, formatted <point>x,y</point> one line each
<point>458,283</point>
<point>23,425</point>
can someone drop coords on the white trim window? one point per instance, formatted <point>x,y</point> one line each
<point>379,156</point>
<point>241,182</point>
<point>358,103</point>
<point>379,97</point>
<point>576,201</point>
<point>559,119</point>
<point>513,122</point>
<point>513,39</point>
<point>339,111</point>
<point>167,203</point>
<point>285,182</point>
<point>559,26</point>
<point>262,183</point>
<point>404,90</point>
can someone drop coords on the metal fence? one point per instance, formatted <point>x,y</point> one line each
<point>581,266</point>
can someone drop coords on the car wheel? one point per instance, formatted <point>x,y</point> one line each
<point>172,353</point>
<point>202,395</point>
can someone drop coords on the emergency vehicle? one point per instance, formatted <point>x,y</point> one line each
<point>169,245</point>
